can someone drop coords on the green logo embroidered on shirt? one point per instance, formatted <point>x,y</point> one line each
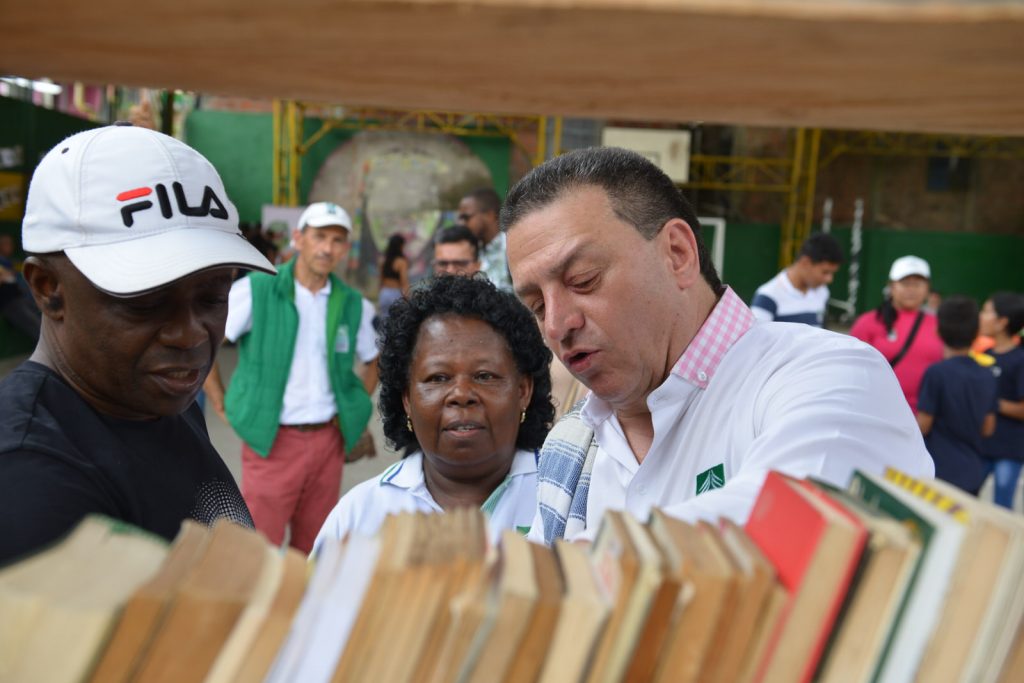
<point>711,479</point>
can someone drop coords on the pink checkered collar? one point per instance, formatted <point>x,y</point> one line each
<point>729,320</point>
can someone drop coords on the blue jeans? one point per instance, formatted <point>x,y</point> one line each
<point>1006,474</point>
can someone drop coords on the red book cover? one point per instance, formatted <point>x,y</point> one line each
<point>815,545</point>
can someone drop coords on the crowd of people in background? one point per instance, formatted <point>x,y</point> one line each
<point>970,406</point>
<point>689,396</point>
<point>16,304</point>
<point>961,369</point>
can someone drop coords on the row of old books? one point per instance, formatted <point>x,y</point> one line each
<point>892,579</point>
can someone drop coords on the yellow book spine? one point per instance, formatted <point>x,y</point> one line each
<point>940,500</point>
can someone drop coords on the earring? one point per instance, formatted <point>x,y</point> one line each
<point>408,423</point>
<point>522,417</point>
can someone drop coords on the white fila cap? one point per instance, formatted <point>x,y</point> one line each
<point>133,210</point>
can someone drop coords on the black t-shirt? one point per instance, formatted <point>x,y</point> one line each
<point>1008,441</point>
<point>958,393</point>
<point>8,292</point>
<point>60,459</point>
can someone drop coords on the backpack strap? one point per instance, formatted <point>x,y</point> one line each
<point>910,340</point>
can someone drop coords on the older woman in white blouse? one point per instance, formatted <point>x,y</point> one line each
<point>466,387</point>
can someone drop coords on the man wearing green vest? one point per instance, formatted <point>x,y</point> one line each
<point>295,399</point>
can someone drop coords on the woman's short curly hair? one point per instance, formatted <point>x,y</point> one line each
<point>470,297</point>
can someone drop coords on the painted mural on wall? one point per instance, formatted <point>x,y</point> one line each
<point>403,182</point>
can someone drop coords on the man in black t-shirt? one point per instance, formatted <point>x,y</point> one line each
<point>132,241</point>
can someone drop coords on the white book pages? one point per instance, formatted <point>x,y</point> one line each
<point>928,593</point>
<point>1009,606</point>
<point>1005,608</point>
<point>341,604</point>
<point>294,648</point>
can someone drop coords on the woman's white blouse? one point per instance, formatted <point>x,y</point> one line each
<point>402,488</point>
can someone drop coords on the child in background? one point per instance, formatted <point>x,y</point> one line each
<point>1001,318</point>
<point>956,404</point>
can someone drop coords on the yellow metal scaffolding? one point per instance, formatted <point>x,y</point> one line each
<point>793,176</point>
<point>814,150</point>
<point>836,143</point>
<point>739,174</point>
<point>291,144</point>
<point>800,202</point>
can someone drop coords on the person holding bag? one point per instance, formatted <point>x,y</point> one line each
<point>900,329</point>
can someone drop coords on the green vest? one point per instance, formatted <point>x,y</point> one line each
<point>256,394</point>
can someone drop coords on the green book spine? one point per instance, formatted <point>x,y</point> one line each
<point>883,502</point>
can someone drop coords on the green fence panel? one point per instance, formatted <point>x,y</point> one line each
<point>962,263</point>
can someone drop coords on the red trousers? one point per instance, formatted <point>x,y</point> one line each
<point>298,483</point>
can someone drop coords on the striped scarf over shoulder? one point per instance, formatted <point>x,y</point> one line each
<point>563,474</point>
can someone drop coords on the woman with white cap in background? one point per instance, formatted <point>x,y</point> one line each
<point>900,329</point>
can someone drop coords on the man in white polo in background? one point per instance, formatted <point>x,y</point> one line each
<point>799,293</point>
<point>295,399</point>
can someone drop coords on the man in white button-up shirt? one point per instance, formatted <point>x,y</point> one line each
<point>294,398</point>
<point>691,403</point>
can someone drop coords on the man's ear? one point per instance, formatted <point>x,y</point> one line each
<point>44,281</point>
<point>681,250</point>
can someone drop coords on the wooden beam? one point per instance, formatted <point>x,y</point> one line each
<point>867,64</point>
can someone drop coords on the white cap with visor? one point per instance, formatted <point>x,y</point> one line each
<point>134,210</point>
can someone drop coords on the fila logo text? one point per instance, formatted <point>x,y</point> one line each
<point>211,205</point>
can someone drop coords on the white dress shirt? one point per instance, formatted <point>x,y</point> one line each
<point>308,397</point>
<point>792,398</point>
